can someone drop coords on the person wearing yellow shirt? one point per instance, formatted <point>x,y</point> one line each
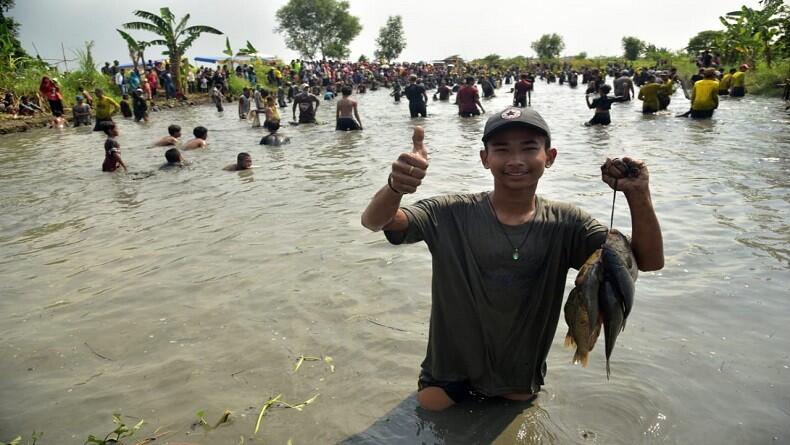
<point>648,94</point>
<point>105,107</point>
<point>738,82</point>
<point>705,95</point>
<point>666,91</point>
<point>725,83</point>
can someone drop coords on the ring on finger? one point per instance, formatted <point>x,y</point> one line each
<point>411,169</point>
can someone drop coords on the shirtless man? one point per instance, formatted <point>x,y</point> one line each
<point>624,86</point>
<point>243,162</point>
<point>174,132</point>
<point>345,107</point>
<point>201,133</point>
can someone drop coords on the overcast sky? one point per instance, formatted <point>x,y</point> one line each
<point>434,29</point>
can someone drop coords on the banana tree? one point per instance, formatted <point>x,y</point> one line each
<point>249,51</point>
<point>754,30</point>
<point>136,48</point>
<point>176,36</point>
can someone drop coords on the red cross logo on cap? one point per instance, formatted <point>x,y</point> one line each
<point>511,113</point>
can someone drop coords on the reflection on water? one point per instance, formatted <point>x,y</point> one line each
<point>201,287</point>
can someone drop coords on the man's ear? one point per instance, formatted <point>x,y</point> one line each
<point>484,157</point>
<point>551,156</point>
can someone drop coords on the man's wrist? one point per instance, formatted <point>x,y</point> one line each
<point>639,197</point>
<point>391,187</point>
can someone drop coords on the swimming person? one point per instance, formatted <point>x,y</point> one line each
<point>58,121</point>
<point>243,162</point>
<point>602,105</point>
<point>273,138</point>
<point>173,133</point>
<point>346,112</point>
<point>201,134</point>
<point>500,258</point>
<point>173,159</point>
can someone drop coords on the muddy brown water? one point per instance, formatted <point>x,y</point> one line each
<point>159,296</point>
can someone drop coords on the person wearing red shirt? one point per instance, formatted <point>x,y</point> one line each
<point>522,92</point>
<point>153,81</point>
<point>468,99</point>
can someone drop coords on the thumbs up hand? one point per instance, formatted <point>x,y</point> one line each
<point>410,167</point>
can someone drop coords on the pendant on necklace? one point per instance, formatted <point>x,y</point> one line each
<point>515,254</point>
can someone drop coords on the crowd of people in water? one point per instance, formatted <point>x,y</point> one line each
<point>301,85</point>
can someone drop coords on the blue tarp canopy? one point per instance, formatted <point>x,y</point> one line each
<point>131,65</point>
<point>225,58</point>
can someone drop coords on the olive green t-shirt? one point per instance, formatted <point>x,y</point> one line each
<point>493,318</point>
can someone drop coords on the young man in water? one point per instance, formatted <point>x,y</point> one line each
<point>243,162</point>
<point>738,81</point>
<point>307,104</point>
<point>602,104</point>
<point>112,150</point>
<point>500,258</point>
<point>522,92</point>
<point>173,133</point>
<point>105,107</point>
<point>468,99</point>
<point>624,86</point>
<point>81,112</point>
<point>273,138</point>
<point>347,112</point>
<point>417,98</point>
<point>174,160</point>
<point>201,134</point>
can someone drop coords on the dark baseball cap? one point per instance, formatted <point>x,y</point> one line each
<point>515,116</point>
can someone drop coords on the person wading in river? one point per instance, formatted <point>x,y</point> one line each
<point>500,258</point>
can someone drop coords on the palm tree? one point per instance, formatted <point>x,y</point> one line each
<point>177,37</point>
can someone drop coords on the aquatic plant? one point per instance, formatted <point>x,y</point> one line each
<point>121,431</point>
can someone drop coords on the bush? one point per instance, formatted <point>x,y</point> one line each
<point>764,80</point>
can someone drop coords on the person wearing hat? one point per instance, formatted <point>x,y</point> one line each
<point>739,81</point>
<point>500,258</point>
<point>81,112</point>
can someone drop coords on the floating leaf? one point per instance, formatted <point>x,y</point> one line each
<point>266,406</point>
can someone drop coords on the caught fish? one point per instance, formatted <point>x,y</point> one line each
<point>616,297</point>
<point>603,296</point>
<point>581,309</point>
